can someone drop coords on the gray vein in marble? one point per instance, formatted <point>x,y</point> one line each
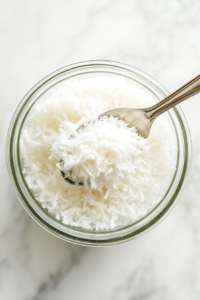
<point>139,285</point>
<point>53,280</point>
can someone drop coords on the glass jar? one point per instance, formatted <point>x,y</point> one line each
<point>77,235</point>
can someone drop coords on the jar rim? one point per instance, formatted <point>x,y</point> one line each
<point>97,238</point>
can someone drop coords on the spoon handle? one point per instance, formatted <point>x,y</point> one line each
<point>188,90</point>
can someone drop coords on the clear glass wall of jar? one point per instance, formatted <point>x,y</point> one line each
<point>77,235</point>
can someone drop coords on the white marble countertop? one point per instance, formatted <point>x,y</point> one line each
<point>161,38</point>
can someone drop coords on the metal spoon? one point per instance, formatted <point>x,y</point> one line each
<point>143,118</point>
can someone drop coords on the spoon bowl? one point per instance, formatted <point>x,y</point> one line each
<point>133,117</point>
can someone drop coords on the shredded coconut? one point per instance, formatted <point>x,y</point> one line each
<point>124,175</point>
<point>100,154</point>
